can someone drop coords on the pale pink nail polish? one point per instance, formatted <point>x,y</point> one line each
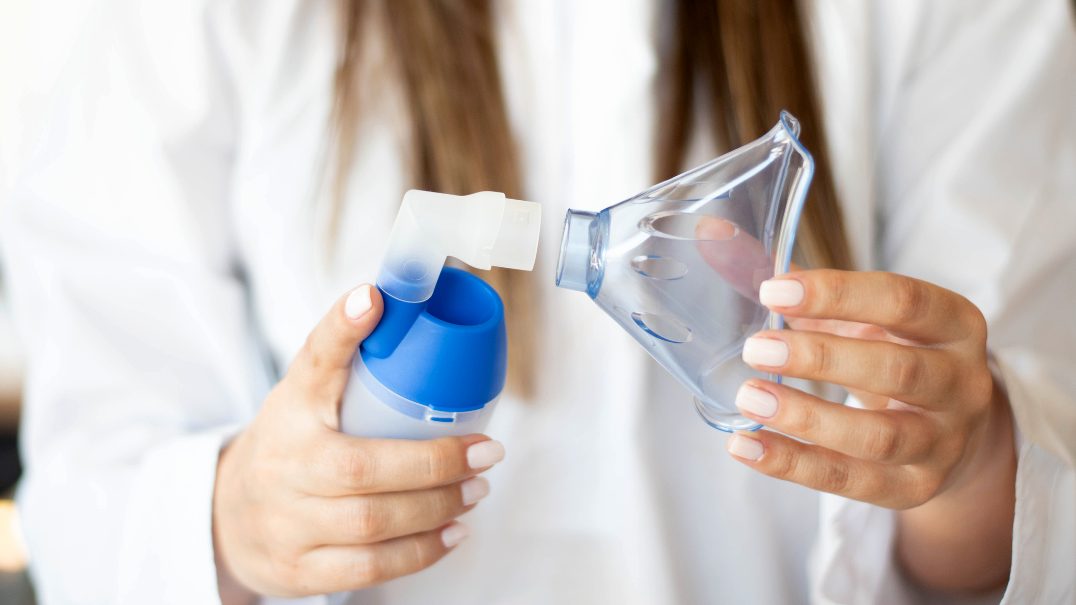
<point>756,401</point>
<point>745,447</point>
<point>781,293</point>
<point>767,352</point>
<point>358,302</point>
<point>454,534</point>
<point>474,489</point>
<point>487,453</point>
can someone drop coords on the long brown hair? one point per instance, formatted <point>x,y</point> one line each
<point>749,57</point>
<point>749,60</point>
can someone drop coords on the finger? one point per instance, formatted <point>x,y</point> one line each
<point>825,470</point>
<point>921,376</point>
<point>905,307</point>
<point>850,329</point>
<point>323,365</point>
<point>342,465</point>
<point>738,258</point>
<point>378,517</point>
<point>342,568</point>
<point>891,436</point>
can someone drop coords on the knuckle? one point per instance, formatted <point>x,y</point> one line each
<point>785,466</point>
<point>285,572</point>
<point>980,388</point>
<point>339,331</point>
<point>911,301</point>
<point>977,326</point>
<point>264,470</point>
<point>947,376</point>
<point>366,520</point>
<point>356,468</point>
<point>824,359</point>
<point>904,372</point>
<point>881,440</point>
<point>835,478</point>
<point>283,563</point>
<point>924,487</point>
<point>279,552</point>
<point>311,352</point>
<point>840,295</point>
<point>276,523</point>
<point>948,450</point>
<point>804,421</point>
<point>437,462</point>
<point>368,569</point>
<point>447,501</point>
<point>421,555</point>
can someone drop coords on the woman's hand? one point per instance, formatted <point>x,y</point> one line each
<point>300,508</point>
<point>935,439</point>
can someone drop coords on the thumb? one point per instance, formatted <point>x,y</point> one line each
<point>321,368</point>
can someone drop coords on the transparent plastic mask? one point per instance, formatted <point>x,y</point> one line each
<point>679,266</point>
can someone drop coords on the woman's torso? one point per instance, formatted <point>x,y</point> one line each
<point>613,490</point>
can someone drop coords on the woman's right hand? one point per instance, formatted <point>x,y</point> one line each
<point>301,509</point>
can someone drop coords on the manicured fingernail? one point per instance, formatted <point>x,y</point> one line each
<point>767,352</point>
<point>781,293</point>
<point>756,401</point>
<point>474,489</point>
<point>454,534</point>
<point>745,447</point>
<point>487,453</point>
<point>358,302</point>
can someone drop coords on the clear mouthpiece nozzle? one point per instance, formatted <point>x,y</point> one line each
<point>483,229</point>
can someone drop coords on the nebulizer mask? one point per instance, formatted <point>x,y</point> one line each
<point>679,265</point>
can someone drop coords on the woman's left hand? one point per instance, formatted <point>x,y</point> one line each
<point>914,354</point>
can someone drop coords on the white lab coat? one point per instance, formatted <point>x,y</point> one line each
<point>166,244</point>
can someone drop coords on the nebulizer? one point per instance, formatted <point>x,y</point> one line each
<point>435,365</point>
<point>678,266</point>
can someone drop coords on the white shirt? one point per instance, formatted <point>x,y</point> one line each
<point>186,145</point>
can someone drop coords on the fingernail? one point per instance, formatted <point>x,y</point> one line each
<point>358,302</point>
<point>454,534</point>
<point>781,293</point>
<point>756,401</point>
<point>474,489</point>
<point>745,447</point>
<point>487,453</point>
<point>765,352</point>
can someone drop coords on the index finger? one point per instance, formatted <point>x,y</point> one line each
<point>905,307</point>
<point>343,465</point>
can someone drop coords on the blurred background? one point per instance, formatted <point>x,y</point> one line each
<point>19,78</point>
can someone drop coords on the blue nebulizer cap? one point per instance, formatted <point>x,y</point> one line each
<point>453,355</point>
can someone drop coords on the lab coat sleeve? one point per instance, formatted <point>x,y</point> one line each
<point>141,360</point>
<point>977,177</point>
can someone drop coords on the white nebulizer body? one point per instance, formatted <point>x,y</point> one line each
<point>436,363</point>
